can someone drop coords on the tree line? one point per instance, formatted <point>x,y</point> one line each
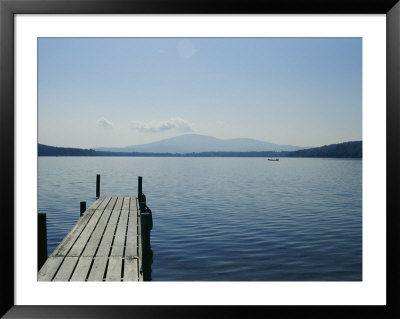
<point>341,150</point>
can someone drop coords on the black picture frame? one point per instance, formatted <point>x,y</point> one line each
<point>8,8</point>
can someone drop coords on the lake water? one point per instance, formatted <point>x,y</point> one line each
<point>225,219</point>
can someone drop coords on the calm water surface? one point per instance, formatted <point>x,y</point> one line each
<point>225,219</point>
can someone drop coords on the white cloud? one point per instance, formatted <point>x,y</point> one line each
<point>104,123</point>
<point>175,123</point>
<point>219,122</point>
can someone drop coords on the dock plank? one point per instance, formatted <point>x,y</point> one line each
<point>50,267</point>
<point>131,269</point>
<point>66,244</point>
<point>139,242</point>
<point>104,204</point>
<point>80,243</point>
<point>114,269</point>
<point>133,205</point>
<point>82,269</point>
<point>119,240</point>
<point>131,249</point>
<point>125,205</point>
<point>108,237</point>
<point>98,269</point>
<point>66,269</point>
<point>118,204</point>
<point>97,234</point>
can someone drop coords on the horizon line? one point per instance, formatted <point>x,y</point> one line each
<point>225,139</point>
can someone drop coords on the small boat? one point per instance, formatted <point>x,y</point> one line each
<point>273,159</point>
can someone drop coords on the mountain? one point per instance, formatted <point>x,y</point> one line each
<point>194,143</point>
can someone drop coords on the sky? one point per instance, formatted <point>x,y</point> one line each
<point>115,92</point>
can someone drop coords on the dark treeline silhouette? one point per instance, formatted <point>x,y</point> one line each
<point>342,150</point>
<point>45,150</point>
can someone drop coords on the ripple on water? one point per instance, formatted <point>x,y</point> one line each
<point>225,219</point>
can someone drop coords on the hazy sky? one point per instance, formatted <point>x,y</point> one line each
<point>127,91</point>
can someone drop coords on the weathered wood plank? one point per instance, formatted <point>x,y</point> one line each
<point>119,240</point>
<point>63,248</point>
<point>105,203</point>
<point>98,269</point>
<point>118,204</point>
<point>82,269</point>
<point>140,254</point>
<point>114,269</point>
<point>131,248</point>
<point>133,205</point>
<point>50,267</point>
<point>125,205</point>
<point>94,240</point>
<point>66,269</point>
<point>106,241</point>
<point>131,269</point>
<point>80,243</point>
<point>83,238</point>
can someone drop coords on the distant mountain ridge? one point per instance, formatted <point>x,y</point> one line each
<point>342,150</point>
<point>195,143</point>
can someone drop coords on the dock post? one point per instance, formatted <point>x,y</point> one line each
<point>42,240</point>
<point>139,185</point>
<point>141,196</point>
<point>146,224</point>
<point>147,254</point>
<point>97,186</point>
<point>83,208</point>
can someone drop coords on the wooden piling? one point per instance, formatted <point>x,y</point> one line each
<point>141,196</point>
<point>97,186</point>
<point>83,208</point>
<point>146,224</point>
<point>139,185</point>
<point>147,254</point>
<point>42,240</point>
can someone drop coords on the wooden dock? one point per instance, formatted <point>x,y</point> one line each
<point>110,242</point>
